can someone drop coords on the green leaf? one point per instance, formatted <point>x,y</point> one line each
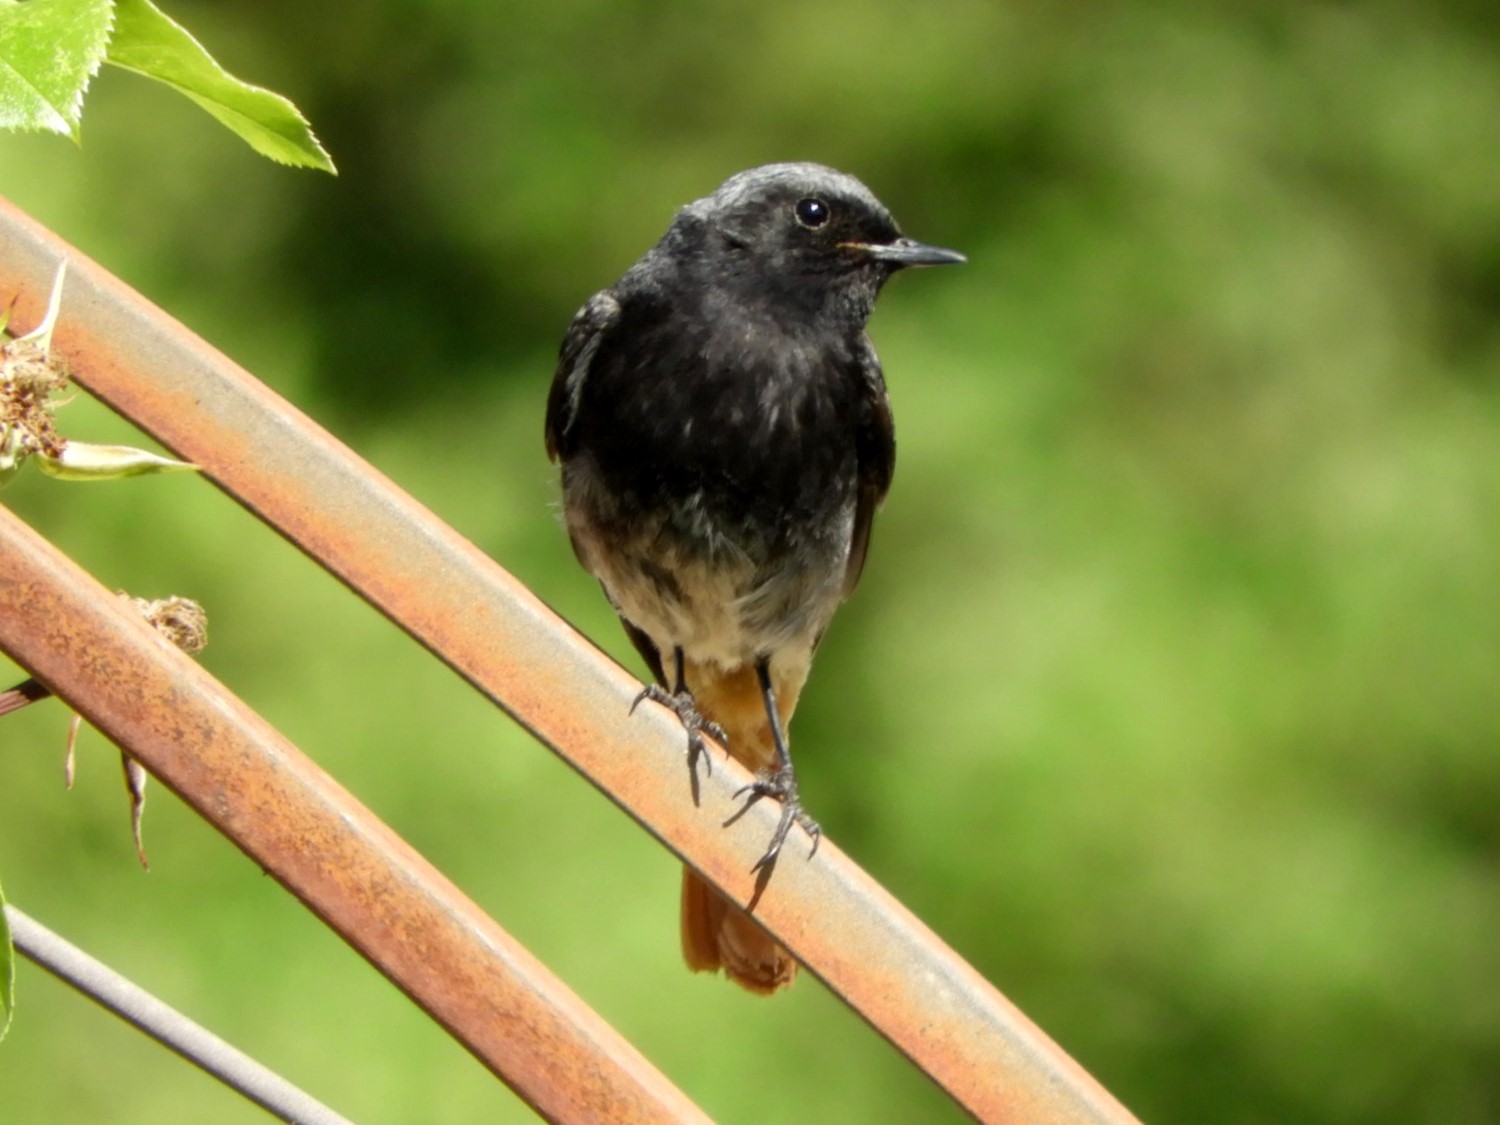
<point>49,49</point>
<point>82,461</point>
<point>149,43</point>
<point>7,971</point>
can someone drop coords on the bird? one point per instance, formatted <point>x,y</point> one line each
<point>724,437</point>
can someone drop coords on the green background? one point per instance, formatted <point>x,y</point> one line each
<point>1169,697</point>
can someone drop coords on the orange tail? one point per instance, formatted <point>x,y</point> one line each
<point>715,933</point>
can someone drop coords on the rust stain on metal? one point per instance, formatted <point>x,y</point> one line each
<point>299,825</point>
<point>498,635</point>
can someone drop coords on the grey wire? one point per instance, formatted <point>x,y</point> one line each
<point>166,1025</point>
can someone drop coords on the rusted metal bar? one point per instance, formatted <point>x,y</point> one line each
<point>498,635</point>
<point>298,824</point>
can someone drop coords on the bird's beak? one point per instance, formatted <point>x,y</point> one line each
<point>908,252</point>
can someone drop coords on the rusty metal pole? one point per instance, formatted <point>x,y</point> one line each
<point>298,824</point>
<point>494,632</point>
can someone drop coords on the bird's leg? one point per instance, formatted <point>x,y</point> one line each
<point>680,702</point>
<point>782,784</point>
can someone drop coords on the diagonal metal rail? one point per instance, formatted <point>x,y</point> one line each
<point>299,825</point>
<point>165,1024</point>
<point>496,634</point>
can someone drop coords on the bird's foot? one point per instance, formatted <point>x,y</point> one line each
<point>781,785</point>
<point>682,704</point>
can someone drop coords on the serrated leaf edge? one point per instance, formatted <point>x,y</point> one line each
<point>71,118</point>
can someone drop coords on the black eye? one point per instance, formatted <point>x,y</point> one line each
<point>811,213</point>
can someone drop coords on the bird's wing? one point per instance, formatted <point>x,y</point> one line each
<point>590,325</point>
<point>875,445</point>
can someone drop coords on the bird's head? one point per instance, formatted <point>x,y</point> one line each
<point>804,232</point>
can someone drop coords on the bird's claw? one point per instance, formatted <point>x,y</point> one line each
<point>781,785</point>
<point>693,721</point>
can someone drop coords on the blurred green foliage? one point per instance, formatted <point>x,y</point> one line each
<point>1170,694</point>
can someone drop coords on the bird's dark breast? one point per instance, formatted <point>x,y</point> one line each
<point>745,431</point>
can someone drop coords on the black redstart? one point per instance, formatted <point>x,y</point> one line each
<point>725,438</point>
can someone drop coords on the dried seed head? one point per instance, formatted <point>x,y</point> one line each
<point>180,620</point>
<point>26,388</point>
<point>29,377</point>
